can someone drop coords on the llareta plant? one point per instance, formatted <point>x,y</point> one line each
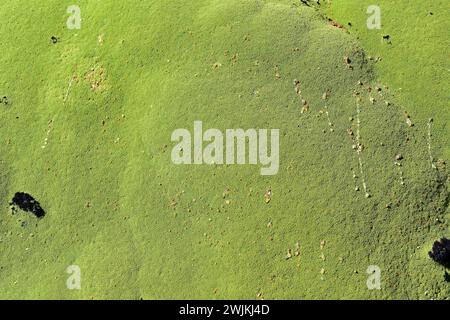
<point>441,252</point>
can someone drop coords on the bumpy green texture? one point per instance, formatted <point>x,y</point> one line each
<point>87,132</point>
<point>414,61</point>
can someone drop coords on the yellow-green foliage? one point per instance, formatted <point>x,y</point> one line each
<point>107,98</point>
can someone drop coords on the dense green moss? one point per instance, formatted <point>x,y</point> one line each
<point>107,98</point>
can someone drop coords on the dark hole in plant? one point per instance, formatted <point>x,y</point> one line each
<point>4,100</point>
<point>305,2</point>
<point>440,252</point>
<point>27,203</point>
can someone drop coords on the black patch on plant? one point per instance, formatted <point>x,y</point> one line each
<point>306,2</point>
<point>387,38</point>
<point>27,203</point>
<point>54,39</point>
<point>4,100</point>
<point>440,252</point>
